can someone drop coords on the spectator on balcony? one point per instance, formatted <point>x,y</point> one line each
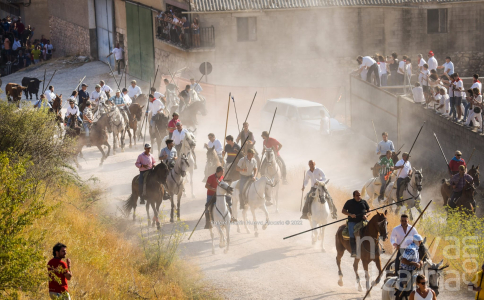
<point>370,64</point>
<point>383,70</point>
<point>408,67</point>
<point>48,48</point>
<point>432,61</point>
<point>20,26</point>
<point>421,62</point>
<point>423,78</point>
<point>475,113</point>
<point>7,47</point>
<point>418,94</point>
<point>174,35</point>
<point>448,66</point>
<point>401,71</point>
<point>25,36</point>
<point>36,54</point>
<point>16,44</point>
<point>43,40</point>
<point>186,32</point>
<point>444,104</point>
<point>470,99</point>
<point>476,83</point>
<point>196,33</point>
<point>458,87</point>
<point>14,29</point>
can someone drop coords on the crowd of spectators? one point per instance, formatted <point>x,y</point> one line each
<point>176,29</point>
<point>444,92</point>
<point>19,49</point>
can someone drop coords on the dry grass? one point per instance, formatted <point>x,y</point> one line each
<point>105,264</point>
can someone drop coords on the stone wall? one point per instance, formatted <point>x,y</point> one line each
<point>69,38</point>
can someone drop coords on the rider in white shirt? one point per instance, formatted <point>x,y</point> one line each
<point>315,175</point>
<point>178,136</point>
<point>213,142</point>
<point>72,110</point>
<point>396,239</point>
<point>155,107</point>
<point>195,86</point>
<point>126,97</point>
<point>50,95</point>
<point>97,96</point>
<point>106,89</point>
<point>406,171</point>
<point>134,90</point>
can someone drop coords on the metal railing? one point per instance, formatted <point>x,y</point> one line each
<point>190,39</point>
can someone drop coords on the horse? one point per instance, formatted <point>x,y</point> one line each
<point>158,131</point>
<point>213,161</point>
<point>155,190</point>
<point>142,100</point>
<point>118,127</point>
<point>256,192</point>
<point>377,226</point>
<point>272,171</point>
<point>376,167</point>
<point>175,182</point>
<point>432,271</point>
<point>411,192</point>
<point>189,113</point>
<point>319,211</point>
<point>188,146</point>
<point>446,189</point>
<point>372,188</point>
<point>232,174</point>
<point>135,112</point>
<point>221,216</point>
<point>98,136</point>
<point>422,251</point>
<point>464,202</point>
<point>56,109</point>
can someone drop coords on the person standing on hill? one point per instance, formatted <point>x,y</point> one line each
<point>59,272</point>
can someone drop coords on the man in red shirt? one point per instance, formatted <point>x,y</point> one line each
<point>211,186</point>
<point>172,124</point>
<point>276,146</point>
<point>59,272</point>
<point>455,162</point>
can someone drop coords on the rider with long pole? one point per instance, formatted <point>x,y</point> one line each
<point>357,210</point>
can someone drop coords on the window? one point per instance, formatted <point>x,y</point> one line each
<point>437,20</point>
<point>247,29</point>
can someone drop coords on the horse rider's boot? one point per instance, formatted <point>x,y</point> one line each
<point>353,247</point>
<point>208,224</point>
<point>142,200</point>
<point>232,219</point>
<point>305,210</point>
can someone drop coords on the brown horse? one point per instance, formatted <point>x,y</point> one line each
<point>56,109</point>
<point>135,112</point>
<point>98,136</point>
<point>155,189</point>
<point>446,189</point>
<point>368,249</point>
<point>466,200</point>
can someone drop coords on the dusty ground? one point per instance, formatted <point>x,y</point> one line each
<point>266,267</point>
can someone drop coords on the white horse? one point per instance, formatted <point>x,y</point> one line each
<point>188,144</point>
<point>411,193</point>
<point>432,271</point>
<point>175,183</point>
<point>319,211</point>
<point>372,188</point>
<point>256,194</point>
<point>272,171</point>
<point>118,126</point>
<point>221,216</point>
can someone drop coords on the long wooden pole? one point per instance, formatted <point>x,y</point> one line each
<point>227,120</point>
<point>250,108</point>
<point>394,252</point>
<point>471,156</point>
<point>374,130</point>
<point>43,82</point>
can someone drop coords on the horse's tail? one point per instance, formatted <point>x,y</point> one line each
<point>130,203</point>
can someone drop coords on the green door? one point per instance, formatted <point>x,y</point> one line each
<point>141,57</point>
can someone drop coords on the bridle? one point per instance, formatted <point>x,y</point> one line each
<point>185,160</point>
<point>269,182</point>
<point>382,225</point>
<point>418,184</point>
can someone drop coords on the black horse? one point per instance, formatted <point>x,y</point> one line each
<point>189,114</point>
<point>155,189</point>
<point>159,130</point>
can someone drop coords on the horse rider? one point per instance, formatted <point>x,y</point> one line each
<point>158,95</point>
<point>72,110</point>
<point>386,167</point>
<point>134,90</point>
<point>144,163</point>
<point>170,92</point>
<point>384,145</point>
<point>127,99</point>
<point>42,102</point>
<point>195,86</point>
<point>211,186</point>
<point>244,134</point>
<point>396,239</point>
<point>458,181</point>
<point>168,155</point>
<point>456,162</point>
<point>106,89</point>
<point>409,262</point>
<point>50,95</point>
<point>356,209</point>
<point>185,97</point>
<point>247,167</point>
<point>83,95</point>
<point>231,149</point>
<point>97,95</point>
<point>213,142</point>
<point>118,100</point>
<point>406,171</point>
<point>316,175</point>
<point>172,124</point>
<point>476,284</point>
<point>88,118</point>
<point>155,107</point>
<point>179,135</point>
<point>276,147</point>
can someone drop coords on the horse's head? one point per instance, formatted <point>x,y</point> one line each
<point>224,188</point>
<point>136,110</point>
<point>381,220</point>
<point>469,190</point>
<point>271,157</point>
<point>57,103</point>
<point>474,172</point>
<point>190,139</point>
<point>418,178</point>
<point>434,272</point>
<point>183,164</point>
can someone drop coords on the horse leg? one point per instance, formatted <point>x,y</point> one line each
<point>367,274</point>
<point>277,198</point>
<point>321,235</point>
<point>222,236</point>
<point>244,213</point>
<point>123,136</point>
<point>227,230</point>
<point>178,207</point>
<point>256,233</point>
<point>191,184</point>
<point>264,208</point>
<point>339,255</point>
<point>213,242</point>
<point>378,266</point>
<point>148,212</point>
<point>102,153</point>
<point>355,268</point>
<point>172,200</point>
<point>314,234</point>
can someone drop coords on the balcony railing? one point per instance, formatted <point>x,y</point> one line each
<point>191,39</point>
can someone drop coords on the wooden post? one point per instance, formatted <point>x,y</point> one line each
<point>227,121</point>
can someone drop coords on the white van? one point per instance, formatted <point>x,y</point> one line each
<point>298,115</point>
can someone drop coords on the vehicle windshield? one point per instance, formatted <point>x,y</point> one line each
<point>311,113</point>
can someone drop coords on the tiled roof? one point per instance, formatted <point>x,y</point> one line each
<point>238,5</point>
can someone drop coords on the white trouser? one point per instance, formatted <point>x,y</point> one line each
<point>473,115</point>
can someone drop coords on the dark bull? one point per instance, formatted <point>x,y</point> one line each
<point>32,85</point>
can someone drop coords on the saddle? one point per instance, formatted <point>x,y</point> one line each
<point>358,228</point>
<point>245,187</point>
